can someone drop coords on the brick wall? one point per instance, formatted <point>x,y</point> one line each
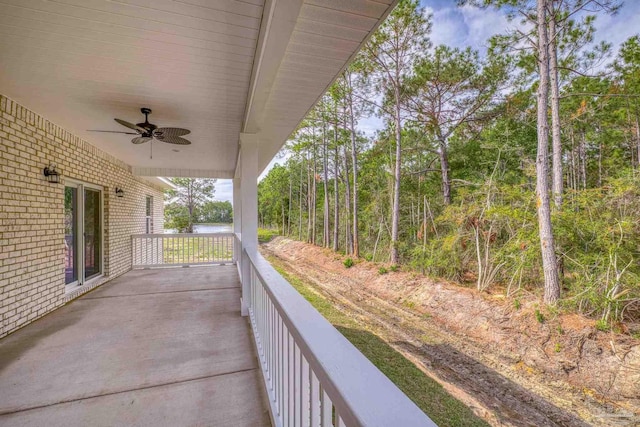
<point>32,213</point>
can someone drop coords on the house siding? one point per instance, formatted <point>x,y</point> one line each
<point>32,213</point>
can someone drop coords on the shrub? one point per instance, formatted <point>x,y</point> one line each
<point>348,263</point>
<point>382,270</point>
<point>265,235</point>
<point>492,232</point>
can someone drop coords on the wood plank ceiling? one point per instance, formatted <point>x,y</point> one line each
<point>80,63</point>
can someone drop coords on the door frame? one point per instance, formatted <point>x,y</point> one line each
<point>80,240</point>
<point>77,241</point>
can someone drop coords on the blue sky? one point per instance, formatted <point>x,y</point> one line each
<point>470,26</point>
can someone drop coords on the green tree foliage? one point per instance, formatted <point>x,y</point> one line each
<point>185,202</point>
<point>176,217</point>
<point>215,211</point>
<point>480,109</point>
<point>272,198</point>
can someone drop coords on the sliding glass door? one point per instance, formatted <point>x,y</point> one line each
<point>92,233</point>
<point>83,233</point>
<point>70,235</point>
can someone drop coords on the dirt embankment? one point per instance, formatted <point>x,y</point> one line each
<point>508,363</point>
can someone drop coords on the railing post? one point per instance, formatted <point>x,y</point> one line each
<point>245,268</point>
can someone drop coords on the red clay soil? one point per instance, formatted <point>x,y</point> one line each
<point>502,361</point>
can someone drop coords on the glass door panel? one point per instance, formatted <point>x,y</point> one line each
<point>70,235</point>
<point>92,233</point>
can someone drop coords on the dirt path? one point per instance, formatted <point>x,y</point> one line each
<point>498,383</point>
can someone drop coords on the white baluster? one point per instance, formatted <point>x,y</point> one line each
<point>326,408</point>
<point>314,396</point>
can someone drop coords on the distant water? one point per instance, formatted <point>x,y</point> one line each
<point>208,228</point>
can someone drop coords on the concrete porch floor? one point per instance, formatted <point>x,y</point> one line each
<point>164,347</point>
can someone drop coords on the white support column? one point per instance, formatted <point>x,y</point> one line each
<point>237,216</point>
<point>249,209</point>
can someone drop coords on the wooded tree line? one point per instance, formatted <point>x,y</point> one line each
<point>191,202</point>
<point>517,166</point>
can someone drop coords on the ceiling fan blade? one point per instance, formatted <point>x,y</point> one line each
<point>112,131</point>
<point>141,139</point>
<point>170,132</point>
<point>174,140</point>
<point>131,126</point>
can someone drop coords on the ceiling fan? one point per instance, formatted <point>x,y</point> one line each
<point>148,132</point>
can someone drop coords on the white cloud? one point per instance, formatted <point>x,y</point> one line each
<point>448,27</point>
<point>466,26</point>
<point>618,28</point>
<point>224,190</point>
<point>370,125</point>
<point>482,24</point>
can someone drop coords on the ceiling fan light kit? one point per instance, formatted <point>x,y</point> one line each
<point>146,131</point>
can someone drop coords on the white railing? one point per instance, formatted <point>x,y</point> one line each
<point>313,375</point>
<point>156,250</point>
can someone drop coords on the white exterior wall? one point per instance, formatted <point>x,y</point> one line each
<point>32,212</point>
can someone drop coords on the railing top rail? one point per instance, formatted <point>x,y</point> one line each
<point>362,394</point>
<point>184,235</point>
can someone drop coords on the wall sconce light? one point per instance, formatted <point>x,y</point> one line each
<point>119,192</point>
<point>52,175</point>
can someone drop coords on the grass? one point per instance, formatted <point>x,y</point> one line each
<point>430,396</point>
<point>195,249</point>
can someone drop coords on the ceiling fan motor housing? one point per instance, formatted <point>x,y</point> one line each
<point>146,125</point>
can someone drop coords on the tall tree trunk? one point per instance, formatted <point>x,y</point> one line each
<point>309,202</point>
<point>347,199</point>
<point>190,206</point>
<point>556,171</point>
<point>284,228</point>
<point>574,162</point>
<point>582,159</point>
<point>600,164</point>
<point>444,169</point>
<point>354,161</point>
<point>314,193</point>
<point>336,192</point>
<point>325,166</point>
<point>571,161</point>
<point>300,204</point>
<point>395,216</point>
<point>290,196</point>
<point>547,246</point>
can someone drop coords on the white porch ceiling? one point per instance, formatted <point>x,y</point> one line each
<point>80,63</point>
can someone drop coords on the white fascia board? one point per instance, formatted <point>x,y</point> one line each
<point>279,18</point>
<point>182,173</point>
<point>169,185</point>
